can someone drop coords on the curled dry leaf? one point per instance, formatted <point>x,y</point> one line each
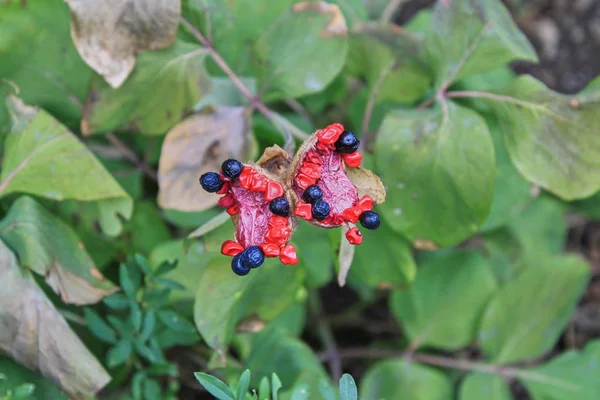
<point>109,34</point>
<point>337,23</point>
<point>37,336</point>
<point>197,145</point>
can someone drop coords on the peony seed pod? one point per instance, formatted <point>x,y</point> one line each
<point>329,160</point>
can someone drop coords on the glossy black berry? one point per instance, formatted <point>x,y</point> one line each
<point>320,210</point>
<point>312,194</point>
<point>231,168</point>
<point>347,143</point>
<point>370,219</point>
<point>238,267</point>
<point>211,182</point>
<point>280,206</point>
<point>252,257</point>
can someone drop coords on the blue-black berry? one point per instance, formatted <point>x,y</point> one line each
<point>231,168</point>
<point>238,266</point>
<point>280,206</point>
<point>211,182</point>
<point>312,194</point>
<point>347,143</point>
<point>252,257</point>
<point>370,219</point>
<point>320,210</point>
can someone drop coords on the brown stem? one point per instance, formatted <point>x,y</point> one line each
<point>390,10</point>
<point>326,335</point>
<point>131,156</point>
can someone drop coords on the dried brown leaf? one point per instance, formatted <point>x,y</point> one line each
<point>37,336</point>
<point>337,22</point>
<point>109,34</point>
<point>197,145</point>
<point>367,183</point>
<point>275,160</point>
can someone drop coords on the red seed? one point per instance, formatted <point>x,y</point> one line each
<point>330,134</point>
<point>270,249</point>
<point>224,189</point>
<point>304,181</point>
<point>227,201</point>
<point>246,177</point>
<point>234,209</point>
<point>231,248</point>
<point>274,190</point>
<point>311,170</point>
<point>351,214</point>
<point>274,240</point>
<point>354,236</point>
<point>353,159</point>
<point>259,183</point>
<point>313,157</point>
<point>365,203</point>
<point>303,210</point>
<point>287,255</point>
<point>278,220</point>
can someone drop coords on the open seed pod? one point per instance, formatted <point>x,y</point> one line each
<point>261,209</point>
<point>329,186</point>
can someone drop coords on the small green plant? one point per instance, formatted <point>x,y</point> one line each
<point>140,327</point>
<point>23,391</point>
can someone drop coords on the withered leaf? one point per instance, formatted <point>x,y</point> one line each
<point>109,34</point>
<point>49,247</point>
<point>197,145</point>
<point>37,336</point>
<point>367,183</point>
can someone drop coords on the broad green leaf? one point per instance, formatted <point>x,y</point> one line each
<point>145,230</point>
<point>590,207</point>
<point>314,253</point>
<point>348,388</point>
<point>16,376</point>
<point>223,92</point>
<point>39,57</point>
<point>303,50</point>
<point>32,165</point>
<point>119,353</point>
<point>152,390</point>
<point>176,322</point>
<point>395,267</point>
<point>551,137</point>
<point>401,379</point>
<point>478,386</point>
<point>50,248</point>
<point>512,193</point>
<point>572,375</point>
<point>148,326</point>
<point>356,112</point>
<point>98,327</point>
<point>443,307</point>
<point>438,167</point>
<point>510,332</point>
<point>197,145</point>
<point>109,35</point>
<point>293,318</point>
<point>215,386</point>
<point>243,385</point>
<point>223,298</point>
<point>470,36</point>
<point>274,351</point>
<point>388,60</point>
<point>37,336</point>
<point>329,391</point>
<point>164,87</point>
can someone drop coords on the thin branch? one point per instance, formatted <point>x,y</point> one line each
<point>326,336</point>
<point>495,97</point>
<point>288,129</point>
<point>299,109</point>
<point>131,156</point>
<point>390,10</point>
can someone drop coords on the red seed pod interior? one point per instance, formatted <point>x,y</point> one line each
<point>318,162</point>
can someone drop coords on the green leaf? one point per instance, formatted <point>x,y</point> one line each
<point>477,386</point>
<point>119,353</point>
<point>149,324</point>
<point>39,57</point>
<point>176,322</point>
<point>165,86</point>
<point>307,35</point>
<point>117,301</point>
<point>470,36</point>
<point>135,316</point>
<point>401,379</point>
<point>145,230</point>
<point>215,386</point>
<point>572,375</point>
<point>14,376</point>
<point>98,327</point>
<point>129,285</point>
<point>318,261</point>
<point>264,389</point>
<point>24,390</point>
<point>151,390</point>
<point>136,384</point>
<point>50,248</point>
<point>31,165</point>
<point>550,136</point>
<point>275,385</point>
<point>395,266</point>
<point>243,385</point>
<point>223,298</point>
<point>437,165</point>
<point>590,207</point>
<point>348,388</point>
<point>329,391</point>
<point>443,307</point>
<point>294,362</point>
<point>510,332</point>
<point>37,336</point>
<point>512,192</point>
